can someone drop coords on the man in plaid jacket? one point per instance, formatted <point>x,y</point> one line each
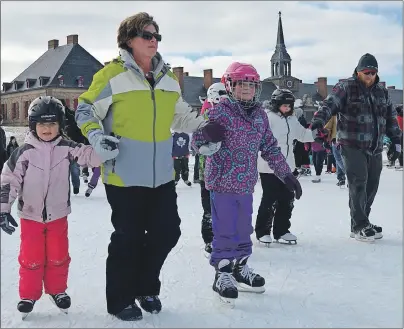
<point>365,115</point>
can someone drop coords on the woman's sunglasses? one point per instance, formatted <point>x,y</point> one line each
<point>146,35</point>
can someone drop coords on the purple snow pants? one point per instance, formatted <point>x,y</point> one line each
<point>94,178</point>
<point>232,226</point>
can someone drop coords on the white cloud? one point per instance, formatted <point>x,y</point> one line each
<point>321,42</point>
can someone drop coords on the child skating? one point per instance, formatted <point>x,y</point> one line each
<point>38,174</point>
<point>277,200</point>
<point>231,174</point>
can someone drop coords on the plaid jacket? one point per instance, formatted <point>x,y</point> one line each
<point>364,116</point>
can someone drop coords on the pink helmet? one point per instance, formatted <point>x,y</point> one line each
<point>242,72</point>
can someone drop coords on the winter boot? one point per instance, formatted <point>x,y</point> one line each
<point>225,284</point>
<point>247,280</point>
<point>130,313</point>
<point>150,304</point>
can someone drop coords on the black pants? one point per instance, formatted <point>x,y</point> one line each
<point>400,158</point>
<point>181,168</point>
<point>276,205</point>
<point>330,161</point>
<point>147,227</point>
<point>301,155</point>
<point>318,161</point>
<point>363,174</point>
<point>206,230</point>
<point>196,167</point>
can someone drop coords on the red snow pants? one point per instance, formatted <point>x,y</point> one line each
<point>44,258</point>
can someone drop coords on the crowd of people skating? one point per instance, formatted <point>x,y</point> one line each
<point>134,106</point>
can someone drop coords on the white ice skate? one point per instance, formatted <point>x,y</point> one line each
<point>266,240</point>
<point>287,238</point>
<point>317,179</point>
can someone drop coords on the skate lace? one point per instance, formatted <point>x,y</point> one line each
<point>226,280</point>
<point>247,273</point>
<point>60,296</point>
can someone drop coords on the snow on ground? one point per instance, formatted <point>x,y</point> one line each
<point>17,131</point>
<point>326,280</point>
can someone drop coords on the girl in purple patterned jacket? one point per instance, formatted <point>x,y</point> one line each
<point>231,174</point>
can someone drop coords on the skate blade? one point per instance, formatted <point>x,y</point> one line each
<point>24,315</point>
<point>266,244</point>
<point>242,287</point>
<point>368,240</point>
<point>228,302</point>
<point>206,254</point>
<point>286,242</point>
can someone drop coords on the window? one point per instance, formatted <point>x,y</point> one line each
<point>17,110</point>
<point>75,103</point>
<point>4,111</point>
<point>67,101</point>
<point>14,111</point>
<point>80,81</point>
<point>26,106</point>
<point>61,80</point>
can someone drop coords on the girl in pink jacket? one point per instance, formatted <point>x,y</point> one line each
<point>38,174</point>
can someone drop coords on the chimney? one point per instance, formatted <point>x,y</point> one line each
<point>52,44</point>
<point>207,78</point>
<point>391,87</point>
<point>73,39</point>
<point>179,73</point>
<point>186,74</point>
<point>322,86</point>
<point>383,83</point>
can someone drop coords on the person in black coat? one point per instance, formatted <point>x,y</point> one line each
<point>3,149</point>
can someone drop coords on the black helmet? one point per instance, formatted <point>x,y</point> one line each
<point>282,96</point>
<point>46,109</point>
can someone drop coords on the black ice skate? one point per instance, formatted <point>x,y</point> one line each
<point>341,183</point>
<point>225,284</point>
<point>62,301</point>
<point>367,234</point>
<point>151,304</point>
<point>247,280</point>
<point>187,182</point>
<point>25,306</point>
<point>130,313</point>
<point>377,229</point>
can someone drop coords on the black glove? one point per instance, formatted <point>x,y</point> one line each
<point>214,132</point>
<point>5,220</point>
<point>293,185</point>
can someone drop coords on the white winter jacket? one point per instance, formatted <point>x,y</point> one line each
<point>285,130</point>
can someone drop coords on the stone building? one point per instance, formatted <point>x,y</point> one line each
<point>64,71</point>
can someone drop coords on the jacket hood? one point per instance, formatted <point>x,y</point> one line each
<point>129,62</point>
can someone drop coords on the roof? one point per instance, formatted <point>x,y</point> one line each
<point>193,88</point>
<point>70,60</point>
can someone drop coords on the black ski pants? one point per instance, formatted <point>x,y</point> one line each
<point>276,206</point>
<point>147,227</point>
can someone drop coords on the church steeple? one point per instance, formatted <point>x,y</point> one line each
<point>280,61</point>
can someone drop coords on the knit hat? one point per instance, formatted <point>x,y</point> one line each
<point>367,62</point>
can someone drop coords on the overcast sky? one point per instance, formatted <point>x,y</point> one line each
<point>323,38</point>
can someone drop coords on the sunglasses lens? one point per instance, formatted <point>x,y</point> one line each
<point>149,36</point>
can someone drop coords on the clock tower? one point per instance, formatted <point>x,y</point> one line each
<point>281,63</point>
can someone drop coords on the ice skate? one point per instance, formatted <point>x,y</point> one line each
<point>225,284</point>
<point>366,234</point>
<point>151,304</point>
<point>287,238</point>
<point>247,280</point>
<point>88,192</point>
<point>62,301</point>
<point>130,313</point>
<point>25,306</point>
<point>341,183</point>
<point>187,182</point>
<point>266,240</point>
<point>317,179</point>
<point>399,168</point>
<point>208,249</point>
